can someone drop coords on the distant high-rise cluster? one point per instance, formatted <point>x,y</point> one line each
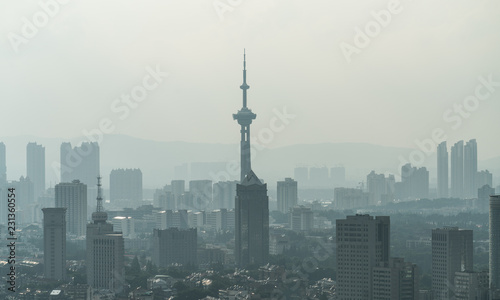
<point>125,185</point>
<point>414,183</point>
<point>80,162</point>
<point>464,175</point>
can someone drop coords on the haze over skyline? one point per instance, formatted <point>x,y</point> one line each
<point>427,59</point>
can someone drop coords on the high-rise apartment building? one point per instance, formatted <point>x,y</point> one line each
<point>201,194</point>
<point>451,252</point>
<point>35,167</point>
<point>442,170</point>
<point>73,196</point>
<point>80,162</point>
<point>457,170</point>
<point>301,218</point>
<point>470,169</point>
<point>54,243</point>
<point>287,195</point>
<point>224,194</point>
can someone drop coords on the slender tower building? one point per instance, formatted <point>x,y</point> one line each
<point>244,118</point>
<point>251,202</point>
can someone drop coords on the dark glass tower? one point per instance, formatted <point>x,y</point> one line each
<point>252,222</point>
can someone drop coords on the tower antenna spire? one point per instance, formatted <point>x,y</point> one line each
<point>99,194</point>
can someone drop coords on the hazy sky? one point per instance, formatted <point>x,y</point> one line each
<point>427,58</point>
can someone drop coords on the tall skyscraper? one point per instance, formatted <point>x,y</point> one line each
<point>105,251</point>
<point>54,243</point>
<point>442,170</point>
<point>457,170</point>
<point>35,167</point>
<point>451,252</point>
<point>174,246</point>
<point>287,195</point>
<point>3,164</point>
<point>125,185</point>
<point>244,118</point>
<point>73,196</point>
<point>80,163</point>
<point>252,222</point>
<point>251,202</point>
<point>495,243</point>
<point>470,169</point>
<point>362,242</point>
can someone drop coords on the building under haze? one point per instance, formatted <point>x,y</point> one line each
<point>105,251</point>
<point>395,280</point>
<point>125,185</point>
<point>252,222</point>
<point>457,170</point>
<point>73,197</point>
<point>452,252</point>
<point>494,259</point>
<point>35,167</point>
<point>201,194</point>
<point>251,202</point>
<point>484,178</point>
<point>80,162</point>
<point>349,198</point>
<point>442,171</point>
<point>483,198</point>
<point>470,169</point>
<point>175,246</point>
<point>54,243</point>
<point>414,183</point>
<point>381,189</point>
<point>363,242</point>
<point>224,193</point>
<point>25,200</point>
<point>287,195</point>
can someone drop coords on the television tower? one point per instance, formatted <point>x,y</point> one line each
<point>244,118</point>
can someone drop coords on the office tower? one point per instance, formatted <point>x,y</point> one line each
<point>484,178</point>
<point>80,163</point>
<point>483,198</point>
<point>224,194</point>
<point>414,183</point>
<point>125,225</point>
<point>201,193</point>
<point>244,118</point>
<point>73,196</point>
<point>301,174</point>
<point>54,243</point>
<point>301,218</point>
<point>457,170</point>
<point>35,163</point>
<point>287,195</point>
<point>470,169</point>
<point>395,280</point>
<point>252,222</point>
<point>451,252</point>
<point>349,198</point>
<point>380,188</point>
<point>337,176</point>
<point>105,251</point>
<point>442,170</point>
<point>125,184</point>
<point>174,246</point>
<point>362,242</point>
<point>495,243</point>
<point>471,286</point>
<point>3,165</point>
